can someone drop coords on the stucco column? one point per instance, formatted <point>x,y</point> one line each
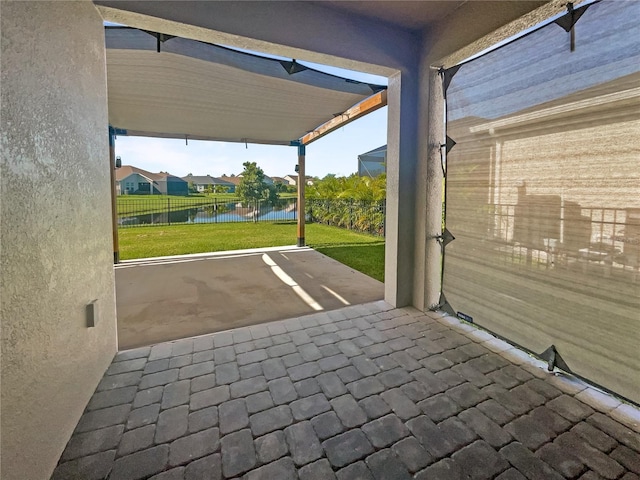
<point>402,141</point>
<point>433,227</point>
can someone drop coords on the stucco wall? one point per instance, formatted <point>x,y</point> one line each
<point>56,230</point>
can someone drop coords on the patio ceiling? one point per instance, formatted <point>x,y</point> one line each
<point>172,87</point>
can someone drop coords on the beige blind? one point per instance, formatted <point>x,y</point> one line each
<point>543,193</point>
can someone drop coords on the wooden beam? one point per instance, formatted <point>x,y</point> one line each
<point>368,105</point>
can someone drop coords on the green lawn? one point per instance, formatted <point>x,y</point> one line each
<point>362,252</point>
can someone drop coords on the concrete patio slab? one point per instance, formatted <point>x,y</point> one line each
<point>362,392</point>
<point>169,298</point>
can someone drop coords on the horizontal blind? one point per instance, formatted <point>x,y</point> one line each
<point>543,193</point>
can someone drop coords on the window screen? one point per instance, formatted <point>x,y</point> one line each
<point>543,193</point>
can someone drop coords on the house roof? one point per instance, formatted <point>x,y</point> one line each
<point>179,88</point>
<point>233,180</point>
<point>127,170</point>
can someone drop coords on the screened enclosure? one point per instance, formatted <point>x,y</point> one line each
<point>543,192</point>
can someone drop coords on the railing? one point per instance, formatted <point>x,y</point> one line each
<point>366,217</point>
<point>164,210</point>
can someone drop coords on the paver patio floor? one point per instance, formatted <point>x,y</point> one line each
<point>365,392</point>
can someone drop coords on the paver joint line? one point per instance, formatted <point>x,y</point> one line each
<point>363,392</point>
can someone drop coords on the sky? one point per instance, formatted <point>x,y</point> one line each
<point>336,153</point>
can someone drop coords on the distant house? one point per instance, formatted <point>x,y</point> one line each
<point>373,163</point>
<point>293,179</point>
<point>202,183</point>
<point>132,180</point>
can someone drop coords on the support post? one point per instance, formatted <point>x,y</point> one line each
<point>301,187</point>
<point>114,207</point>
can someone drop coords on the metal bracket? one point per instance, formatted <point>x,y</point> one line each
<point>445,306</point>
<point>447,76</point>
<point>445,238</point>
<point>292,66</point>
<point>554,359</point>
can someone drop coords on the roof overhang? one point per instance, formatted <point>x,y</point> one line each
<point>163,86</point>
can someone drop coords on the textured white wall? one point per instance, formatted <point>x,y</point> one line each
<point>56,231</point>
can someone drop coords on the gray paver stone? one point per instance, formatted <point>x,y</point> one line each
<point>439,407</point>
<point>621,433</point>
<point>561,460</point>
<point>365,366</point>
<point>511,474</point>
<point>208,467</point>
<point>412,454</point>
<point>374,406</point>
<point>173,474</point>
<point>334,362</point>
<point>486,428</point>
<point>250,371</point>
<point>445,469</point>
<point>271,446</point>
<point>203,356</point>
<point>282,390</point>
<point>203,343</point>
<point>207,398</point>
<point>627,457</point>
<point>350,349</point>
<point>131,354</point>
<point>269,420</point>
<point>238,453</point>
<point>110,398</point>
<point>349,411</point>
<point>331,384</point>
<point>203,419</point>
<point>92,467</point>
<point>365,387</point>
<point>181,361</point>
<point>273,368</point>
<point>526,462</point>
<point>140,464</point>
<point>121,380</point>
<point>281,350</point>
<point>307,387</point>
<point>431,438</point>
<point>143,416</point>
<point>348,374</point>
<point>601,463</point>
<point>227,373</point>
<point>355,471</point>
<point>175,394</point>
<point>303,443</point>
<point>83,444</point>
<point>467,395</point>
<point>570,408</point>
<point>595,437</point>
<point>495,411</point>
<point>308,407</point>
<point>204,382</point>
<point>401,405</point>
<point>233,416</point>
<point>147,397</point>
<point>326,425</point>
<point>135,440</point>
<point>160,378</point>
<point>395,377</point>
<point>172,423</point>
<point>347,447</point>
<point>104,417</point>
<point>385,431</point>
<point>162,350</point>
<point>196,370</point>
<point>182,347</point>
<point>258,402</point>
<point>305,370</point>
<point>248,387</point>
<point>250,357</point>
<point>224,355</point>
<point>386,466</point>
<point>282,469</point>
<point>529,432</point>
<point>479,461</point>
<point>320,470</point>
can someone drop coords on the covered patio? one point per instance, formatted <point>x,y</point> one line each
<point>363,392</point>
